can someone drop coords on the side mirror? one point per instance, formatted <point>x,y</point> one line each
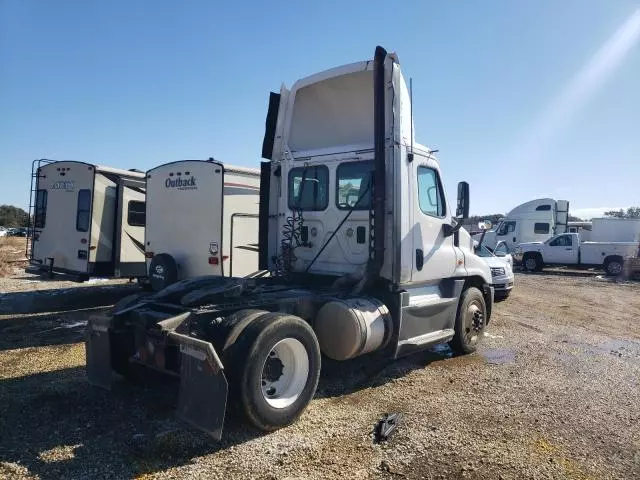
<point>485,225</point>
<point>462,211</point>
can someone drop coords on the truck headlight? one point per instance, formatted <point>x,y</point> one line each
<point>496,272</point>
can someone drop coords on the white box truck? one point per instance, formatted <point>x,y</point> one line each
<point>367,257</point>
<point>87,220</point>
<point>202,219</point>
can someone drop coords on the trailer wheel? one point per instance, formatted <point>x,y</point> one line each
<point>278,362</point>
<point>532,263</point>
<point>471,321</point>
<point>163,271</point>
<point>613,266</point>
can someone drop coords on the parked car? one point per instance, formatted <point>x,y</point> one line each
<point>17,232</point>
<point>501,270</point>
<point>502,251</point>
<point>3,232</point>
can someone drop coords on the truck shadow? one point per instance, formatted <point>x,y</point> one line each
<point>56,425</point>
<point>63,299</point>
<point>42,330</point>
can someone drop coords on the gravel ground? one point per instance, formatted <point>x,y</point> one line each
<point>553,392</point>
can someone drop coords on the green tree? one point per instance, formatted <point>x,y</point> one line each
<point>11,216</point>
<point>631,212</point>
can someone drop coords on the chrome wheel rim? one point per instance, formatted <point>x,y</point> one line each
<point>474,323</point>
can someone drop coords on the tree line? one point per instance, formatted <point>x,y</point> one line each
<point>12,217</point>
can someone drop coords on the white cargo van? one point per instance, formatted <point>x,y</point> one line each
<point>88,220</point>
<point>202,219</point>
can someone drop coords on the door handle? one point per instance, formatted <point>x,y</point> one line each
<point>419,259</point>
<point>514,239</point>
<point>569,248</point>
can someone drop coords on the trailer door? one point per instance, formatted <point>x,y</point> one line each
<point>130,261</point>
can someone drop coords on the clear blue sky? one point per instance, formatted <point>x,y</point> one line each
<point>135,84</point>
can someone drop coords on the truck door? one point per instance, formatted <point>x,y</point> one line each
<point>434,256</point>
<point>507,234</point>
<point>563,249</point>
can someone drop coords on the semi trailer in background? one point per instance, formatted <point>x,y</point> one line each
<point>87,220</point>
<point>202,219</point>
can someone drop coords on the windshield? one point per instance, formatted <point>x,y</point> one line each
<point>484,252</point>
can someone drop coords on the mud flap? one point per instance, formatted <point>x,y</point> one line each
<point>203,385</point>
<point>98,351</point>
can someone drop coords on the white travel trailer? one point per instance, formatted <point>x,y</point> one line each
<point>88,220</point>
<point>202,219</point>
<point>533,221</point>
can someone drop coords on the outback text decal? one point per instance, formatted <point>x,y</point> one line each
<point>63,185</point>
<point>181,183</point>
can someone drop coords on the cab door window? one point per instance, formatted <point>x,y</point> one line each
<point>506,228</point>
<point>430,193</point>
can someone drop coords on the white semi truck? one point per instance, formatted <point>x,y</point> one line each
<point>533,221</point>
<point>366,258</point>
<point>569,249</point>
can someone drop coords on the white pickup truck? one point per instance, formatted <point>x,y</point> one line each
<point>567,249</point>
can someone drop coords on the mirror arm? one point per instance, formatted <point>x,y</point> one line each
<point>451,229</point>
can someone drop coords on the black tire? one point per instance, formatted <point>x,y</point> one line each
<point>471,321</point>
<point>246,368</point>
<point>532,263</point>
<point>163,271</point>
<point>614,266</point>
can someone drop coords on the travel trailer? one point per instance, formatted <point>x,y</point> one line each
<point>202,219</point>
<point>366,257</point>
<point>88,220</point>
<point>533,221</point>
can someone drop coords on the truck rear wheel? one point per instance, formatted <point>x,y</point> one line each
<point>532,263</point>
<point>614,266</point>
<point>471,321</point>
<point>277,369</point>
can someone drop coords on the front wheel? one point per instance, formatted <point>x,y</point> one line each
<point>532,263</point>
<point>279,370</point>
<point>471,321</point>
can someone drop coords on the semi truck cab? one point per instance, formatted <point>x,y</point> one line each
<point>366,257</point>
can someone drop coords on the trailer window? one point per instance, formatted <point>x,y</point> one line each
<point>83,215</point>
<point>541,228</point>
<point>41,209</point>
<point>308,188</point>
<point>353,186</point>
<point>430,194</point>
<point>543,208</point>
<point>136,213</point>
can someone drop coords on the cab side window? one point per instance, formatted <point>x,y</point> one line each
<point>430,194</point>
<point>561,241</point>
<point>507,227</point>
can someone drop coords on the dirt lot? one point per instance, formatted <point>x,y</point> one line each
<point>554,392</point>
